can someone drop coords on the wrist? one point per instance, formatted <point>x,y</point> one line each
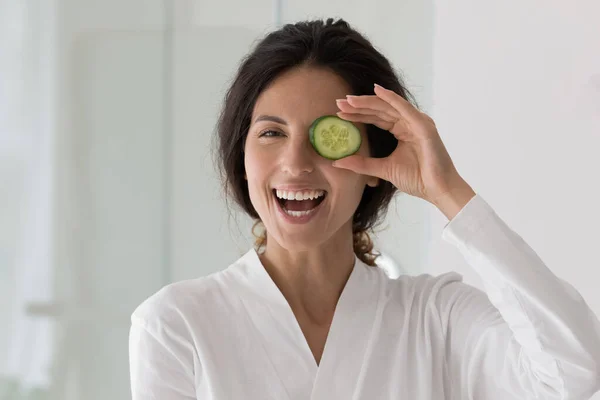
<point>455,200</point>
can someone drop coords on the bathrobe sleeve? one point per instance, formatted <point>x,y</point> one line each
<point>529,335</point>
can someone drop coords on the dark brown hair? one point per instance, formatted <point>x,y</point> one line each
<point>327,44</point>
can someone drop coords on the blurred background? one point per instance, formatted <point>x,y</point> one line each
<point>108,189</point>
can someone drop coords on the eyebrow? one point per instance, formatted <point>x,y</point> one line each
<point>270,118</point>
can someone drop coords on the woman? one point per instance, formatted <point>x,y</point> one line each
<point>312,316</point>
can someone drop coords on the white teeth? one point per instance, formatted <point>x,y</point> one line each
<point>298,213</point>
<point>299,195</point>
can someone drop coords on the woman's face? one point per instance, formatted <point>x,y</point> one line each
<point>281,162</point>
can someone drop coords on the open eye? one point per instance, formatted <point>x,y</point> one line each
<point>270,133</point>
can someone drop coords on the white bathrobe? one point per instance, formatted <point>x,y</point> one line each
<point>232,334</point>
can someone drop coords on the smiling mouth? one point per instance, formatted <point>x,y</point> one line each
<point>298,208</point>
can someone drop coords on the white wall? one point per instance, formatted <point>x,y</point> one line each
<point>517,102</point>
<point>112,198</point>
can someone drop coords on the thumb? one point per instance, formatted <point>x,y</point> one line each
<point>363,165</point>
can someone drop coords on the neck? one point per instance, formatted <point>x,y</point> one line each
<point>311,280</point>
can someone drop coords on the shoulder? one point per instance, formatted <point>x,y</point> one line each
<point>181,304</point>
<point>439,295</point>
<point>172,302</point>
<point>424,288</point>
<point>441,300</point>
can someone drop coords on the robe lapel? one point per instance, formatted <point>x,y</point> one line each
<point>350,335</point>
<point>285,345</point>
<point>281,339</point>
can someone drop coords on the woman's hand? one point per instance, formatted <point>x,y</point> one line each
<point>420,165</point>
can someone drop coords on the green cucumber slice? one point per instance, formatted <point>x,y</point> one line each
<point>334,138</point>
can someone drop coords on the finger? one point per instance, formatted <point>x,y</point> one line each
<point>346,107</point>
<point>374,103</point>
<point>367,119</point>
<point>364,165</point>
<point>399,103</point>
<point>399,133</point>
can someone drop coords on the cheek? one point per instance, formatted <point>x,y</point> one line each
<point>256,178</point>
<point>252,164</point>
<point>349,185</point>
<point>250,169</point>
<point>257,196</point>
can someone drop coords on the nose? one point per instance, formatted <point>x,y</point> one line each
<point>298,156</point>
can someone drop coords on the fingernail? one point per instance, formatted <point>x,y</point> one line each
<point>333,164</point>
<point>379,86</point>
